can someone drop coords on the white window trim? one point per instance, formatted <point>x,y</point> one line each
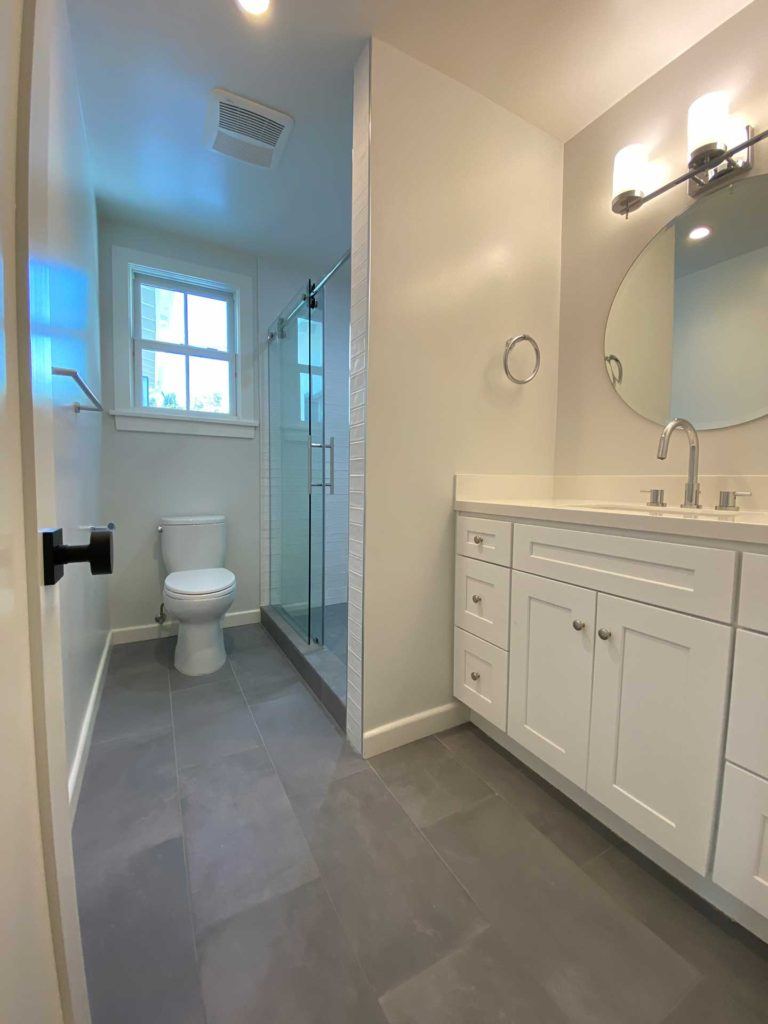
<point>126,262</point>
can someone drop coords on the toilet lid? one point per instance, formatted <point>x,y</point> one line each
<point>196,582</point>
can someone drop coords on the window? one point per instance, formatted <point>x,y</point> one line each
<point>184,349</point>
<point>184,352</point>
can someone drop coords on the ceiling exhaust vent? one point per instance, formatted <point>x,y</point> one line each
<point>248,130</point>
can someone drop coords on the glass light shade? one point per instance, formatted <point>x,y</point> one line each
<point>254,6</point>
<point>709,122</point>
<point>630,169</point>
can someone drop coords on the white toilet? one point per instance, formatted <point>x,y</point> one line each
<point>198,590</point>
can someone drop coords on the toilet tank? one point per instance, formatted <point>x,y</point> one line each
<point>193,542</point>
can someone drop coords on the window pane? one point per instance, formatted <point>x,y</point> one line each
<point>162,314</point>
<point>209,385</point>
<point>207,322</point>
<point>302,341</point>
<point>163,380</point>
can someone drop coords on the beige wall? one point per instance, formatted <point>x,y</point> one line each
<point>464,252</point>
<point>148,475</point>
<point>597,432</point>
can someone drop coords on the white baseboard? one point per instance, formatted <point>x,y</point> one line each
<point>77,769</point>
<point>154,631</point>
<point>415,727</point>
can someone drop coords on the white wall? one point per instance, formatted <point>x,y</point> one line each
<point>148,475</point>
<point>464,252</point>
<point>64,289</point>
<point>597,432</point>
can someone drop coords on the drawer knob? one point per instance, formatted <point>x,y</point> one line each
<point>604,634</point>
<point>476,599</point>
<point>474,676</point>
<point>478,539</point>
<point>578,625</point>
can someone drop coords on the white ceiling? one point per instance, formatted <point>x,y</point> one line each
<point>147,67</point>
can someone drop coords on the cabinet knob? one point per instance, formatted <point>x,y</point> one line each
<point>478,539</point>
<point>604,634</point>
<point>474,676</point>
<point>578,625</point>
<point>476,599</point>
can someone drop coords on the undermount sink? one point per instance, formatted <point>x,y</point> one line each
<point>671,510</point>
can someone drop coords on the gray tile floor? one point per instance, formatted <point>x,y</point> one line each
<point>237,862</point>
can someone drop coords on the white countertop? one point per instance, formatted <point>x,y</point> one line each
<point>744,527</point>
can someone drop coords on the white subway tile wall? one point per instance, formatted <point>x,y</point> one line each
<point>358,359</point>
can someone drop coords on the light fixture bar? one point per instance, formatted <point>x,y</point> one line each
<point>694,176</point>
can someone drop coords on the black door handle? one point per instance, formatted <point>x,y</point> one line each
<point>97,552</point>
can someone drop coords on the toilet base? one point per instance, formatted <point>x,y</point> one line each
<point>199,648</point>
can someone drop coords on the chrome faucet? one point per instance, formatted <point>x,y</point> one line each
<point>692,487</point>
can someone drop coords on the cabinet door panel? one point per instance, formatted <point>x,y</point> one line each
<point>550,671</point>
<point>741,861</point>
<point>658,717</point>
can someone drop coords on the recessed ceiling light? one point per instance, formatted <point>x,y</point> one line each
<point>254,6</point>
<point>698,233</point>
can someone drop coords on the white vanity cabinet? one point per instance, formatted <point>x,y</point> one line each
<point>618,656</point>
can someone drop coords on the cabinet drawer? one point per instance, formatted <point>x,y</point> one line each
<point>480,677</point>
<point>490,540</point>
<point>748,722</point>
<point>741,857</point>
<point>686,578</point>
<point>482,600</point>
<point>753,599</point>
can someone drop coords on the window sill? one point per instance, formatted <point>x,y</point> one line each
<point>145,421</point>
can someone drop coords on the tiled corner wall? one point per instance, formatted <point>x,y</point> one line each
<point>358,372</point>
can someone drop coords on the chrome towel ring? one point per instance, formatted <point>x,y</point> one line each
<point>537,356</point>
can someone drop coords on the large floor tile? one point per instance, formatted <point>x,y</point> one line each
<point>264,673</point>
<point>595,960</point>
<point>478,984</point>
<point>284,962</point>
<point>138,942</point>
<point>310,752</point>
<point>244,842</point>
<point>194,706</point>
<point>569,828</point>
<point>710,1003</point>
<point>128,802</point>
<point>135,701</point>
<point>719,949</point>
<point>179,681</point>
<point>428,781</point>
<point>222,735</point>
<point>401,908</point>
<point>244,638</point>
<point>143,653</point>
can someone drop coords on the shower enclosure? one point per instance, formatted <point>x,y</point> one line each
<point>308,394</point>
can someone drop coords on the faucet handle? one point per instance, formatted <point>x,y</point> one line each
<point>656,499</point>
<point>727,500</point>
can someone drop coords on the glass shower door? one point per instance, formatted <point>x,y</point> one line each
<point>296,467</point>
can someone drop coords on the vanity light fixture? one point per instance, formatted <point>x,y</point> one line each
<point>719,146</point>
<point>697,234</point>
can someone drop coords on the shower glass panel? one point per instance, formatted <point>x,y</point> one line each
<point>296,447</point>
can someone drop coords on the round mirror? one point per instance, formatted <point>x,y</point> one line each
<point>687,334</point>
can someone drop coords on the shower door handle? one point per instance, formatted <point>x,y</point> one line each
<point>331,446</point>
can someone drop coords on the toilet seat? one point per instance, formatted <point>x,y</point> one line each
<point>196,583</point>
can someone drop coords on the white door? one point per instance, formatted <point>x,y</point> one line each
<point>42,977</point>
<point>551,642</point>
<point>658,716</point>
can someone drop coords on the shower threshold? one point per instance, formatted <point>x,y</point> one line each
<point>321,669</point>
